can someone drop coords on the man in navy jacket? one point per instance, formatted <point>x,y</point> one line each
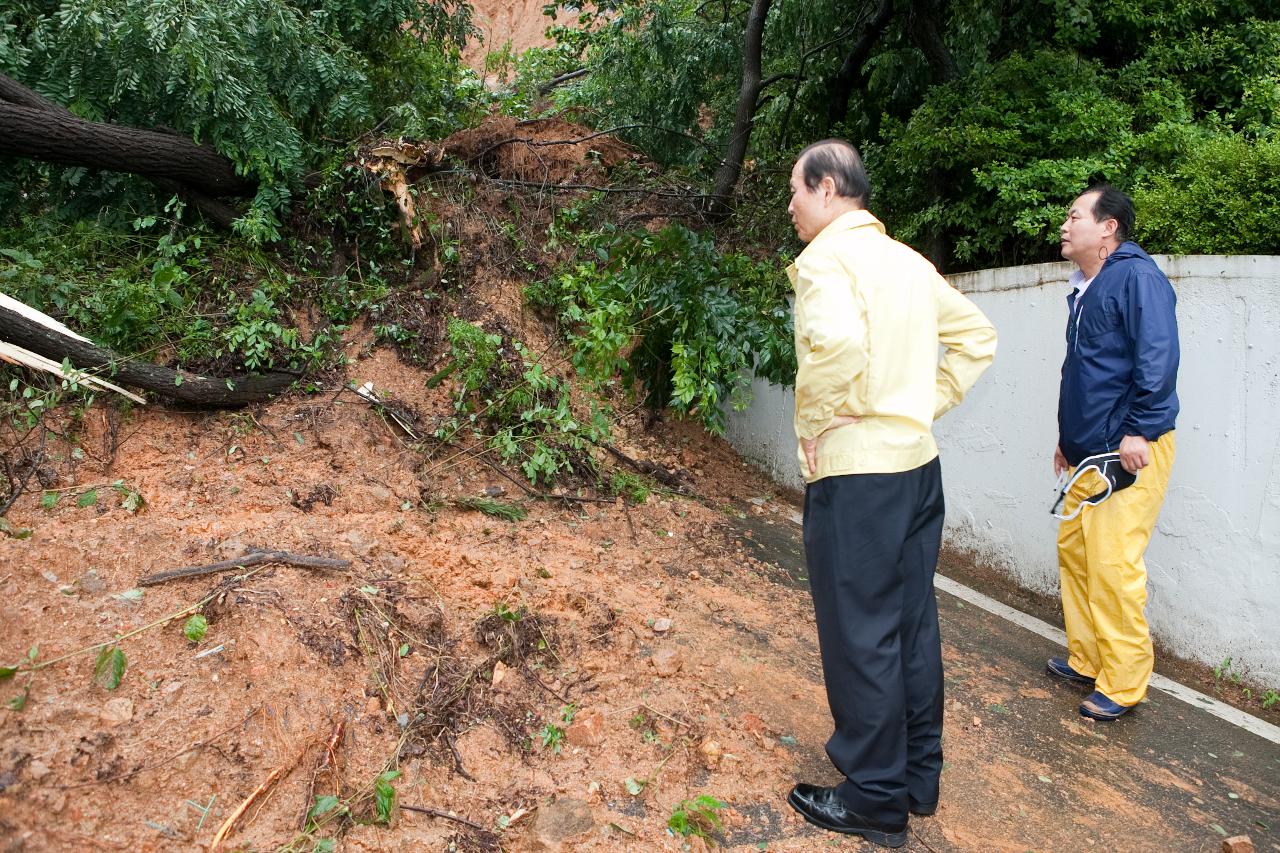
<point>1118,395</point>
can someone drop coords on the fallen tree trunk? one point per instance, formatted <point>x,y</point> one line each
<point>63,138</point>
<point>217,212</point>
<point>175,385</point>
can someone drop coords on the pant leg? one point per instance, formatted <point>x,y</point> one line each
<point>921,641</point>
<point>1116,534</point>
<point>1073,574</point>
<point>854,530</point>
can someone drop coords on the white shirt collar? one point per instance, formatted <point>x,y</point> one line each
<point>1079,282</point>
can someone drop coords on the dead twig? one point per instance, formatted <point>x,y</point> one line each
<point>253,558</point>
<point>34,463</point>
<point>244,806</point>
<point>534,676</point>
<point>327,759</point>
<point>457,759</point>
<point>427,810</point>
<point>631,525</point>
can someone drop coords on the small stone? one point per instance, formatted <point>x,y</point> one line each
<point>977,722</point>
<point>667,661</point>
<point>360,544</point>
<point>230,549</point>
<point>559,821</point>
<point>752,723</point>
<point>662,625</point>
<point>91,583</point>
<point>711,753</point>
<point>587,728</point>
<point>500,671</point>
<point>116,712</point>
<point>694,576</point>
<point>38,770</point>
<point>373,707</point>
<point>1238,844</point>
<point>494,491</point>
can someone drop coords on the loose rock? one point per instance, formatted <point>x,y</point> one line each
<point>662,625</point>
<point>559,821</point>
<point>116,711</point>
<point>1238,844</point>
<point>587,728</point>
<point>711,753</point>
<point>667,661</point>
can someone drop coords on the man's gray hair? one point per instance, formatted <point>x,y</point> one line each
<point>840,161</point>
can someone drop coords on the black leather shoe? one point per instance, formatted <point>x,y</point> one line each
<point>923,809</point>
<point>822,807</point>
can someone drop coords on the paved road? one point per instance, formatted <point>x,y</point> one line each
<point>1025,772</point>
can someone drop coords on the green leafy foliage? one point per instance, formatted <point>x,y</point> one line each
<point>384,796</point>
<point>195,628</point>
<point>268,83</point>
<point>518,407</point>
<point>108,669</point>
<point>669,310</point>
<point>973,160</point>
<point>211,303</point>
<point>1221,197</point>
<point>511,512</point>
<point>130,498</point>
<point>552,737</point>
<point>699,816</point>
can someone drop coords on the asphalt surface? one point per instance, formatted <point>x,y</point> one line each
<point>1025,772</point>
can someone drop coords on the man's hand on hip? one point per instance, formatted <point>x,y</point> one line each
<point>1135,453</point>
<point>810,445</point>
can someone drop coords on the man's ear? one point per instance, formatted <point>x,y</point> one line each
<point>1109,227</point>
<point>828,188</point>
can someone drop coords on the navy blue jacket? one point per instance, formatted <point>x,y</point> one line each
<point>1121,370</point>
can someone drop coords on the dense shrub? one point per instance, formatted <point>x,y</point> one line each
<point>670,311</point>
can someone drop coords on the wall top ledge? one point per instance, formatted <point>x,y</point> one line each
<point>1175,266</point>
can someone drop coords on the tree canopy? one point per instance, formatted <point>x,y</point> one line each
<point>978,120</point>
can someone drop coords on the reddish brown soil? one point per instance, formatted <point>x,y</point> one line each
<point>520,24</point>
<point>405,661</point>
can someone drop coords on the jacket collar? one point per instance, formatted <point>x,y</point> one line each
<point>851,221</point>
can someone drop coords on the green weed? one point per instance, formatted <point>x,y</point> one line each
<point>698,816</point>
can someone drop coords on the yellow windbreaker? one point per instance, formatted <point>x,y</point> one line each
<point>870,314</point>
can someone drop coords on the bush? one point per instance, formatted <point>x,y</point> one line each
<point>669,310</point>
<point>512,403</point>
<point>1222,197</point>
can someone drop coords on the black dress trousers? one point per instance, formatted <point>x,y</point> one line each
<point>871,543</point>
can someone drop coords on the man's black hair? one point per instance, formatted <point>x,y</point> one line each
<point>1111,203</point>
<point>840,161</point>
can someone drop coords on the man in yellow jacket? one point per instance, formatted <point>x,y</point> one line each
<point>870,316</point>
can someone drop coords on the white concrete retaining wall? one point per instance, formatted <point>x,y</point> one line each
<point>1214,562</point>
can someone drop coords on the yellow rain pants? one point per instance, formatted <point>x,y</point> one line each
<point>1104,578</point>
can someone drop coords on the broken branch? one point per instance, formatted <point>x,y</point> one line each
<point>253,558</point>
<point>427,810</point>
<point>240,810</point>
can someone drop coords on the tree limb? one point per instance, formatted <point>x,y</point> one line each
<point>176,385</point>
<point>748,94</point>
<point>253,558</point>
<point>546,87</point>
